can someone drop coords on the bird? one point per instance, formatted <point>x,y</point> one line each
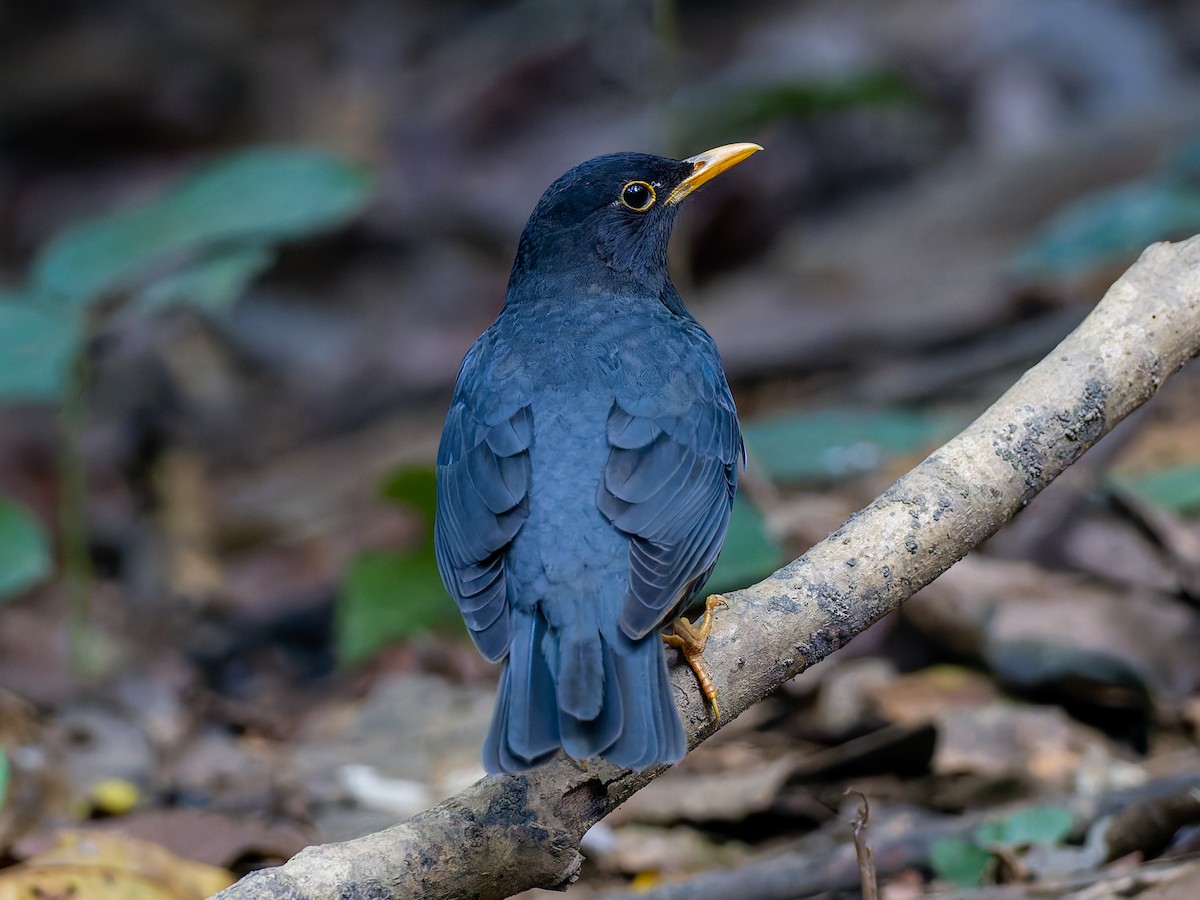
<point>587,469</point>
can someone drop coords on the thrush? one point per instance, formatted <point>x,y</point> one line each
<point>587,470</point>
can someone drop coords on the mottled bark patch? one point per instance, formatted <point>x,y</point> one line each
<point>1047,441</point>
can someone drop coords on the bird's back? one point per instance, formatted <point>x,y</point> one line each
<point>588,352</point>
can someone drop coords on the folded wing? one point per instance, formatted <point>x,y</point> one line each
<point>669,484</point>
<point>483,489</point>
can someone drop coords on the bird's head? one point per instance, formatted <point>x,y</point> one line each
<point>609,219</point>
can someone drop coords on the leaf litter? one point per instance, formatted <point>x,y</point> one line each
<point>255,420</point>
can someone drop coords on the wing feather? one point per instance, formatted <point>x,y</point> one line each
<point>669,483</point>
<point>483,491</point>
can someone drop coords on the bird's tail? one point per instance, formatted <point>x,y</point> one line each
<point>524,728</point>
<point>650,731</point>
<point>590,695</point>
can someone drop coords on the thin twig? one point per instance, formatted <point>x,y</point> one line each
<point>862,852</point>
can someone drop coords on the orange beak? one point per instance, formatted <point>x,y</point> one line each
<point>710,164</point>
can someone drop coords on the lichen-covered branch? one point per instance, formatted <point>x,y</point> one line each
<point>508,833</point>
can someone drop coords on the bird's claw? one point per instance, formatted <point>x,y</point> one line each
<point>689,639</point>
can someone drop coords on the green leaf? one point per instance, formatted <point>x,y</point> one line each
<point>990,833</point>
<point>1176,489</point>
<point>387,596</point>
<point>213,283</point>
<point>260,196</point>
<point>37,346</point>
<point>1182,166</point>
<point>725,112</point>
<point>24,550</point>
<point>960,862</point>
<point>1037,825</point>
<point>831,444</point>
<point>1110,227</point>
<point>415,487</point>
<point>4,776</point>
<point>750,553</point>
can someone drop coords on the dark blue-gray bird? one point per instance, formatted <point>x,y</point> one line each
<point>587,470</point>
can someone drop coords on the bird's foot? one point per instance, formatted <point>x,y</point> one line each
<point>690,639</point>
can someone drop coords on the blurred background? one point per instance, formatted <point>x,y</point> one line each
<point>244,245</point>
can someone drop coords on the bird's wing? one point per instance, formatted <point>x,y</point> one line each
<point>669,483</point>
<point>483,488</point>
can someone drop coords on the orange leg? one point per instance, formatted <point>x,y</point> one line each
<point>690,639</point>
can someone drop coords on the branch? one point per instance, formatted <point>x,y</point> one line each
<point>505,834</point>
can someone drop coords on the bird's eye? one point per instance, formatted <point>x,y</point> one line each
<point>638,196</point>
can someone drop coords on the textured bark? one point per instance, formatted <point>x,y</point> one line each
<point>508,833</point>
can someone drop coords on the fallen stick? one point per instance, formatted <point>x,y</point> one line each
<point>1138,819</point>
<point>505,834</point>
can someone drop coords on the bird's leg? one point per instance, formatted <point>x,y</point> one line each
<point>690,639</point>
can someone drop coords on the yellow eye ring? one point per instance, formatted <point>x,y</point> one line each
<point>638,196</point>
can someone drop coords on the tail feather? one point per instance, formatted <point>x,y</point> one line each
<point>496,755</point>
<point>653,733</point>
<point>585,738</point>
<point>672,741</point>
<point>524,729</point>
<point>582,676</point>
<point>635,726</point>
